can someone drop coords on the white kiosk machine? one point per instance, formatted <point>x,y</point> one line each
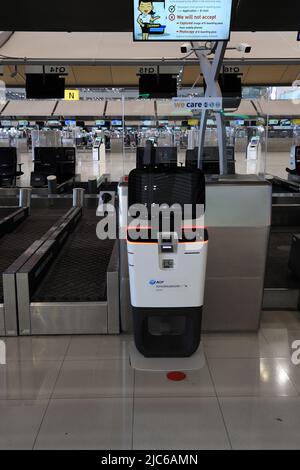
<point>96,148</point>
<point>295,158</point>
<point>254,149</point>
<point>167,267</point>
<point>294,170</point>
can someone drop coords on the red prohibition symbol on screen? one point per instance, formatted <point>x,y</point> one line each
<point>172,17</point>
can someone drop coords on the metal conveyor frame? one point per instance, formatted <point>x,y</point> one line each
<point>55,318</point>
<point>9,309</point>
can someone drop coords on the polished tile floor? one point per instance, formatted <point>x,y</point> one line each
<point>80,392</point>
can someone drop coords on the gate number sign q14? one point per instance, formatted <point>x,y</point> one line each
<point>48,69</point>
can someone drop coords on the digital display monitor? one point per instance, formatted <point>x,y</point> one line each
<point>250,123</point>
<point>157,86</point>
<point>100,123</point>
<point>54,123</point>
<point>239,122</point>
<point>285,123</point>
<point>23,123</point>
<point>116,122</point>
<point>39,86</point>
<point>70,122</point>
<point>182,20</point>
<point>6,123</point>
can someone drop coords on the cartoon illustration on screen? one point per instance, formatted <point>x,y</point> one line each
<point>147,19</point>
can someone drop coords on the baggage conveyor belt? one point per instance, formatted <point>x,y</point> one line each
<point>5,211</point>
<point>79,273</point>
<point>13,244</point>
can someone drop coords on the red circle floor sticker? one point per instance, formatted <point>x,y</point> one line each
<point>176,376</point>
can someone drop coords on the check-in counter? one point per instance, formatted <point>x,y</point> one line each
<point>280,145</point>
<point>116,144</point>
<point>238,218</point>
<point>21,145</point>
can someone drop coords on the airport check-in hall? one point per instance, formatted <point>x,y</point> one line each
<point>150,226</point>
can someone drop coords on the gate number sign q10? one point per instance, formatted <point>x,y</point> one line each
<point>182,20</point>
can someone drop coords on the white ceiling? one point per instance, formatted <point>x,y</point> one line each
<point>79,108</point>
<point>109,47</point>
<point>279,108</point>
<point>29,108</point>
<point>134,108</point>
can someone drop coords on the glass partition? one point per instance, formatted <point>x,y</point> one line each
<point>155,121</point>
<point>281,110</point>
<point>261,135</point>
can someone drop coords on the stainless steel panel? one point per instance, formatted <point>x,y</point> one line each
<point>78,197</point>
<point>113,310</point>
<point>2,324</point>
<point>123,258</point>
<point>113,301</point>
<point>276,144</point>
<point>237,252</point>
<point>25,197</point>
<point>116,145</point>
<point>242,203</point>
<point>281,299</point>
<point>125,313</point>
<point>68,318</point>
<point>123,210</point>
<point>125,309</point>
<point>232,304</point>
<point>238,217</point>
<point>10,304</point>
<point>23,299</point>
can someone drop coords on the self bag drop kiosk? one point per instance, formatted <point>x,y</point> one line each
<point>254,149</point>
<point>167,268</point>
<point>295,162</point>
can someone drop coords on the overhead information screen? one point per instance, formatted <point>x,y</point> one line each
<point>182,20</point>
<point>248,15</point>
